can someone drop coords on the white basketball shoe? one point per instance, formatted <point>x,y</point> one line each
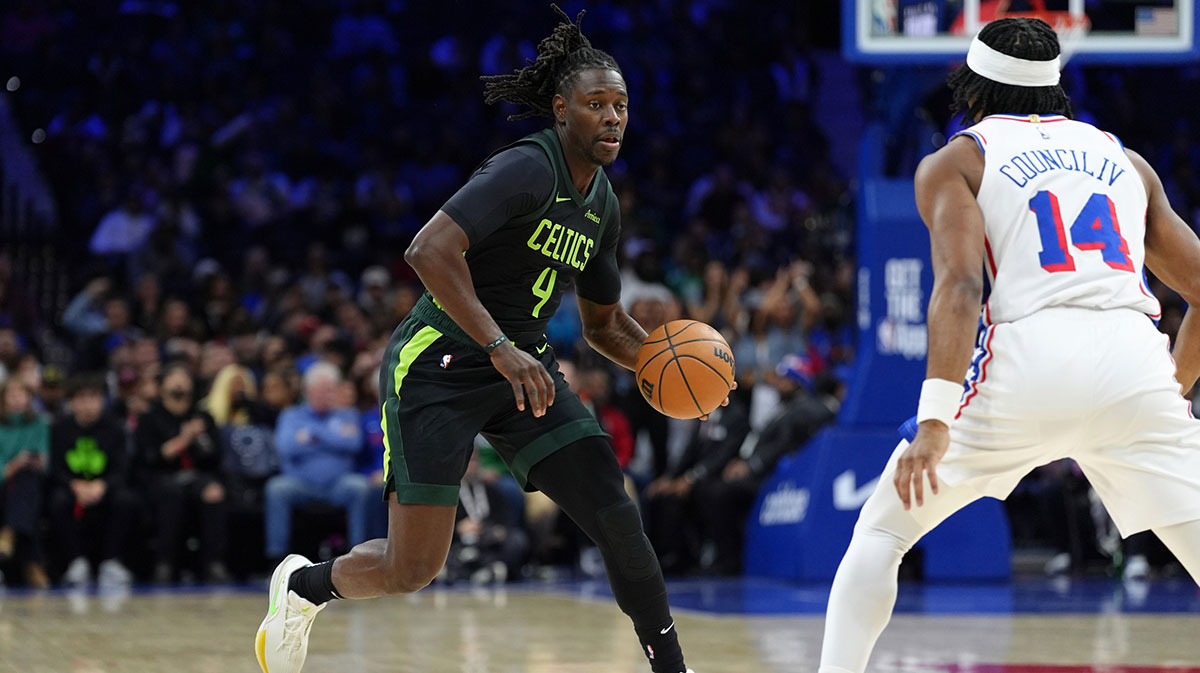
<point>282,641</point>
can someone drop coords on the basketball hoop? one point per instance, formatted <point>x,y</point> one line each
<point>1071,28</point>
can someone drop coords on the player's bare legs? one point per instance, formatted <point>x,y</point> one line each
<point>414,552</point>
<point>864,589</point>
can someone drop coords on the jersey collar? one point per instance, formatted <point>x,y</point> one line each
<point>1026,118</point>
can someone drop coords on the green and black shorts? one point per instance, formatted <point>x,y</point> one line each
<point>438,393</point>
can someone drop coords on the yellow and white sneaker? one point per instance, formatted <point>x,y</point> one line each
<point>282,641</point>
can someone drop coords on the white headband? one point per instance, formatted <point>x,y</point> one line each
<point>989,63</point>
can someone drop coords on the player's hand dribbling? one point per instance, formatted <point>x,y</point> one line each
<point>921,457</point>
<point>528,377</point>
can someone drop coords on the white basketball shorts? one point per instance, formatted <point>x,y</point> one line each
<point>1096,386</point>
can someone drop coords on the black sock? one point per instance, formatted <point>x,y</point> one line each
<point>314,583</point>
<point>662,649</point>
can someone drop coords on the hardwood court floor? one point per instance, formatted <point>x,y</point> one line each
<point>519,630</point>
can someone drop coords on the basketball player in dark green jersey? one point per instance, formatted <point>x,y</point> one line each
<point>535,219</point>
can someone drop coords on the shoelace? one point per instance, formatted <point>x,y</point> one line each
<point>295,628</point>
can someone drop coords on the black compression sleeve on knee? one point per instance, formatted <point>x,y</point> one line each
<point>585,480</point>
<point>621,527</point>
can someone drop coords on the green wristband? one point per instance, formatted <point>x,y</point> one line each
<point>492,346</point>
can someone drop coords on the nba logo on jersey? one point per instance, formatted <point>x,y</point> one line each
<point>446,360</point>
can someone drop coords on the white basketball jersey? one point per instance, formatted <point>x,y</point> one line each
<point>1064,215</point>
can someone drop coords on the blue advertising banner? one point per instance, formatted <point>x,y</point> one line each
<point>895,279</point>
<point>806,511</point>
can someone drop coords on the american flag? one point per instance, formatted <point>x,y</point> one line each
<point>1156,21</point>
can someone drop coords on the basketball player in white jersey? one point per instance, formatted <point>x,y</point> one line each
<point>1069,363</point>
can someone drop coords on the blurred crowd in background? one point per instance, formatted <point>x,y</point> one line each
<point>236,182</point>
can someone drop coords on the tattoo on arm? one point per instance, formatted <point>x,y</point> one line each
<point>618,338</point>
<point>627,334</point>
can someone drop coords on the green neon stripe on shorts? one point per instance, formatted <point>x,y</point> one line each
<point>413,348</point>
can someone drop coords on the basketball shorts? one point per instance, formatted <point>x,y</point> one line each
<point>438,393</point>
<point>1096,386</point>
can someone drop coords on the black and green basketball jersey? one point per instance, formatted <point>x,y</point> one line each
<point>522,262</point>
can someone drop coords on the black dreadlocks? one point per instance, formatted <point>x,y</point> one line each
<point>1030,39</point>
<point>560,59</point>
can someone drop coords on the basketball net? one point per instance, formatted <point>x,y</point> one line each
<point>1071,29</point>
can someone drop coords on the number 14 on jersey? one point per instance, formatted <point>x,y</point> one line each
<point>1095,228</point>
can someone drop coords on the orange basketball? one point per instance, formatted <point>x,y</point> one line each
<point>685,369</point>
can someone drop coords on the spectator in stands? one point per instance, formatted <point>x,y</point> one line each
<point>134,395</point>
<point>53,394</point>
<point>671,499</point>
<point>1055,504</point>
<point>125,229</point>
<point>179,453</point>
<point>487,546</point>
<point>642,275</point>
<point>375,296</point>
<point>278,393</point>
<point>247,428</point>
<point>725,502</point>
<point>24,447</point>
<point>29,372</point>
<point>791,306</point>
<point>233,398</point>
<point>778,326</point>
<point>593,384</point>
<point>147,300</point>
<point>176,321</point>
<point>118,331</point>
<point>706,302</point>
<point>318,446</point>
<point>217,303</point>
<point>365,373</point>
<point>90,511</point>
<point>84,316</point>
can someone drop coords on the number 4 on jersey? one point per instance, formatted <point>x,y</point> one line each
<point>1095,228</point>
<point>543,288</point>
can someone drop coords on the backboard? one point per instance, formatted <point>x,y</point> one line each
<point>886,32</point>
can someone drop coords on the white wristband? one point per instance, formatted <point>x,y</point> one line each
<point>940,400</point>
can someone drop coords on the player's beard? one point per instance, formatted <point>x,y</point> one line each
<point>594,158</point>
<point>588,150</point>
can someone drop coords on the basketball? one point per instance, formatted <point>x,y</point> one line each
<point>685,369</point>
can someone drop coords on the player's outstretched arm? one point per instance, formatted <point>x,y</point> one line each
<point>946,201</point>
<point>1173,254</point>
<point>610,330</point>
<point>436,254</point>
